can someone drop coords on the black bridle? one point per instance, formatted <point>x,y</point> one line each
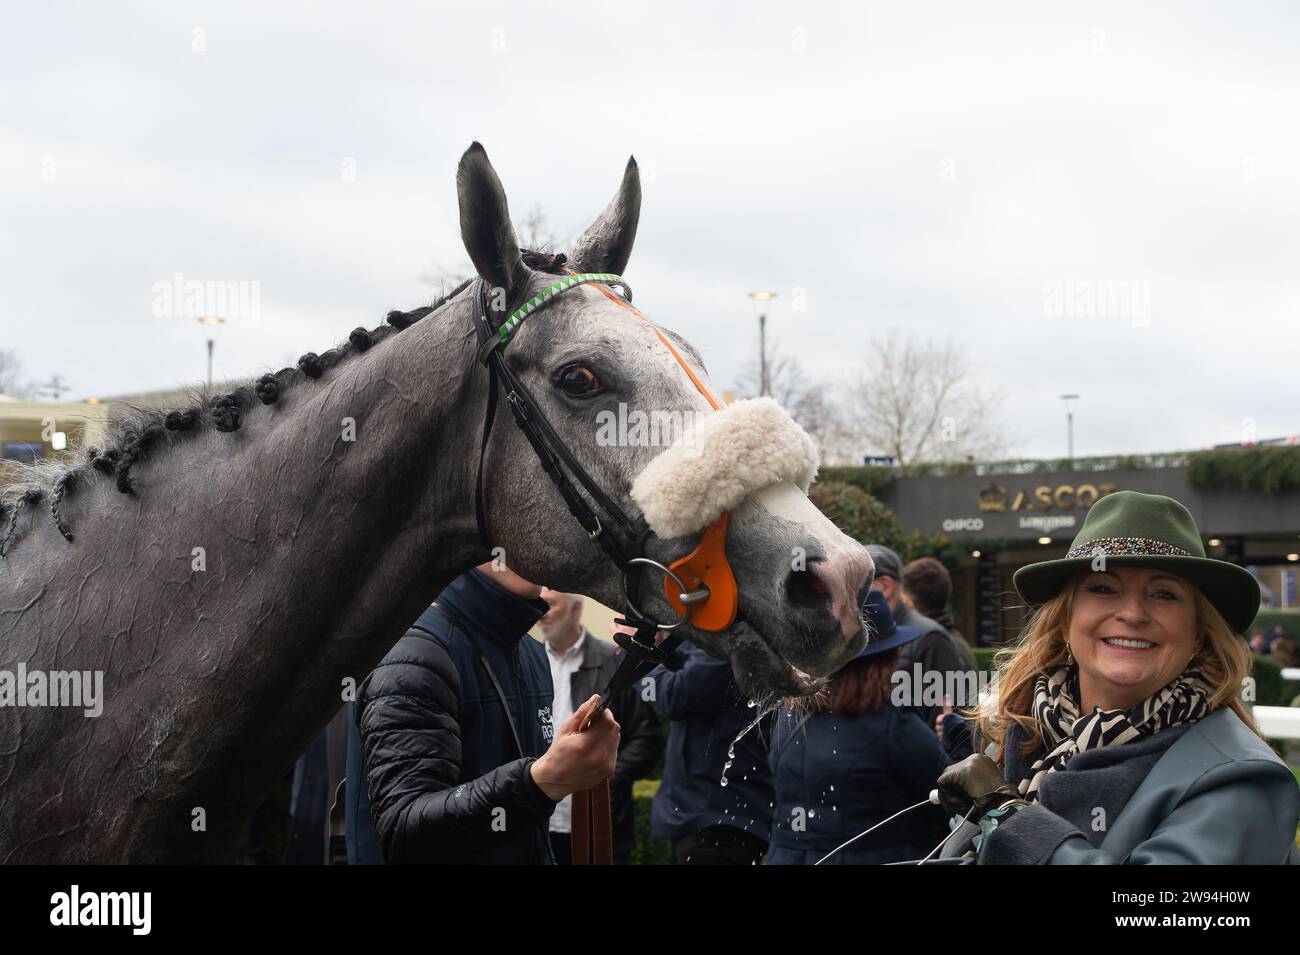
<point>622,538</point>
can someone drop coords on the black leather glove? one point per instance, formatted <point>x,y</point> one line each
<point>974,782</point>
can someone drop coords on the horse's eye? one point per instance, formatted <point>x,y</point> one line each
<point>579,381</point>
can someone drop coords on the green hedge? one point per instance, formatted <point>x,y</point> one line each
<point>1270,688</point>
<point>1267,619</point>
<point>1271,469</point>
<point>851,507</point>
<point>648,851</point>
<point>874,480</point>
<point>858,513</point>
<point>1261,470</point>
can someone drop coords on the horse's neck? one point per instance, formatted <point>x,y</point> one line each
<point>253,570</point>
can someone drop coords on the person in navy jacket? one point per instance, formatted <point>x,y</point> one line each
<point>852,758</point>
<point>710,822</point>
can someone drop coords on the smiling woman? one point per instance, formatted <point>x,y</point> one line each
<point>1132,631</point>
<point>1119,734</point>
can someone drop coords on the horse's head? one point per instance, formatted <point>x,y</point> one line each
<point>619,392</point>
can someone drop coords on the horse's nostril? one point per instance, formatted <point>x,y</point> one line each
<point>806,590</point>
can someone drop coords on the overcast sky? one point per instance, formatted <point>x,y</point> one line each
<point>960,171</point>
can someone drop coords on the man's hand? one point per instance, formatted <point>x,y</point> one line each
<point>578,758</point>
<point>975,781</point>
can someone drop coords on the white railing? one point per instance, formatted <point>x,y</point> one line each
<point>1278,722</point>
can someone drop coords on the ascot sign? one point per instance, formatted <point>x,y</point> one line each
<point>1063,497</point>
<point>1029,506</point>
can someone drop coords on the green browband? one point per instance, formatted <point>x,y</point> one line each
<point>546,296</point>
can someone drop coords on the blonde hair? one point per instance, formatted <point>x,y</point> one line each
<point>1223,659</point>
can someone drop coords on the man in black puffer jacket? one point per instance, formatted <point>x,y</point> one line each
<point>455,725</point>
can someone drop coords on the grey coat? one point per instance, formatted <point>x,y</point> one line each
<point>1216,795</point>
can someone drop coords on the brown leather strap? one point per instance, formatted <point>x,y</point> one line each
<point>602,825</point>
<point>592,826</point>
<point>580,827</point>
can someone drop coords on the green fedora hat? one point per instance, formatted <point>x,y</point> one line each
<point>1146,530</point>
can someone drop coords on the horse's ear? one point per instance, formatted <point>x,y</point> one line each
<point>485,224</point>
<point>607,244</point>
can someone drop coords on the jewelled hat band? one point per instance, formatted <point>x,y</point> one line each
<point>1128,547</point>
<point>545,297</point>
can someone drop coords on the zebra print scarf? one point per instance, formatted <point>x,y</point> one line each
<point>1065,732</point>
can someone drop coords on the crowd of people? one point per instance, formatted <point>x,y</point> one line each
<point>467,742</point>
<point>467,748</point>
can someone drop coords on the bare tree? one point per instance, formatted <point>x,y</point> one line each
<point>533,232</point>
<point>917,401</point>
<point>444,278</point>
<point>12,382</point>
<point>807,402</point>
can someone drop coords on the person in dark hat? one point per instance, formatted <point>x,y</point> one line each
<point>933,666</point>
<point>851,759</point>
<point>1118,734</point>
<point>927,586</point>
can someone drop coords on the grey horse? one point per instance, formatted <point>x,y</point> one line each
<point>233,569</point>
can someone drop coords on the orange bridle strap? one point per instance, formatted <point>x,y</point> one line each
<point>699,385</point>
<point>707,565</point>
